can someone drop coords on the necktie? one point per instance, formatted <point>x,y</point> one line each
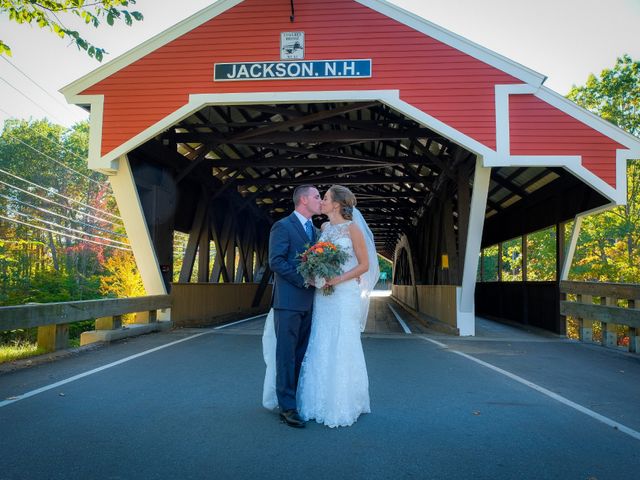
<point>308,227</point>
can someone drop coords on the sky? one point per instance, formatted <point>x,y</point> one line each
<point>566,40</point>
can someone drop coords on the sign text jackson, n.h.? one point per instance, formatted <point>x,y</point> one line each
<point>321,69</point>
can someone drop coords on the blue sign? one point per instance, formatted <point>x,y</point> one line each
<point>321,69</point>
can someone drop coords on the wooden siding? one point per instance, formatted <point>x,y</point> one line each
<point>537,128</point>
<point>198,304</point>
<point>454,87</point>
<point>437,301</point>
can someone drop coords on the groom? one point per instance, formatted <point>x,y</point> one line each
<point>292,302</point>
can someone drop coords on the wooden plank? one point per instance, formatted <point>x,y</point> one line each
<point>200,303</point>
<point>450,243</point>
<point>626,291</point>
<point>262,286</point>
<point>194,237</point>
<point>602,313</point>
<point>357,179</point>
<point>304,136</point>
<point>314,117</point>
<point>27,316</point>
<point>222,243</point>
<point>203,253</point>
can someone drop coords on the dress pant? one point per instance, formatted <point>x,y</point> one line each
<point>292,334</point>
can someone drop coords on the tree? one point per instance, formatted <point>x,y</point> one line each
<point>609,243</point>
<point>49,14</point>
<point>55,223</point>
<point>122,278</point>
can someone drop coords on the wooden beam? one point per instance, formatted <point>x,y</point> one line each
<point>304,136</point>
<point>450,241</point>
<point>301,162</point>
<point>354,180</point>
<point>194,238</point>
<point>314,117</point>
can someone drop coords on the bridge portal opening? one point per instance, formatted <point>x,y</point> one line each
<point>225,173</point>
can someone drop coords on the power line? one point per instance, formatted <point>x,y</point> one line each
<point>48,200</point>
<point>49,212</point>
<point>75,230</point>
<point>55,160</point>
<point>59,194</point>
<point>59,144</point>
<point>30,99</point>
<point>62,234</point>
<point>35,83</point>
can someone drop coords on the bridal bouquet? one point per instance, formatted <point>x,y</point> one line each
<point>321,261</point>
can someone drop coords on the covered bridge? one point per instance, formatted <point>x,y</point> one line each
<point>208,127</point>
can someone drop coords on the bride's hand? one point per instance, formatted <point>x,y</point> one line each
<point>333,281</point>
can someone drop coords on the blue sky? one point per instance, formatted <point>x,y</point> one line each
<point>565,40</point>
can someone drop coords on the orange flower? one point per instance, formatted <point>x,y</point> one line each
<point>320,250</point>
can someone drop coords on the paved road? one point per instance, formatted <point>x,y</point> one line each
<point>192,410</point>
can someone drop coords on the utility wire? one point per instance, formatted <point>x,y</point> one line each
<point>36,83</point>
<point>31,100</point>
<point>49,212</point>
<point>54,160</point>
<point>59,204</point>
<point>62,233</point>
<point>51,158</point>
<point>59,144</point>
<point>57,225</point>
<point>60,195</point>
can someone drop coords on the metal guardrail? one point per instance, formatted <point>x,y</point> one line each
<point>611,304</point>
<point>53,319</point>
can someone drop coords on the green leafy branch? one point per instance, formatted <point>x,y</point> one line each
<point>46,14</point>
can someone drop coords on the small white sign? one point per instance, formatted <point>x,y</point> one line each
<point>291,45</point>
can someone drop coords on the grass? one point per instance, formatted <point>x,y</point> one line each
<point>18,350</point>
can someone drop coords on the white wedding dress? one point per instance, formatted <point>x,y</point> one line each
<point>333,387</point>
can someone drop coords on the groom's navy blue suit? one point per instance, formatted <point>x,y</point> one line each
<point>292,305</point>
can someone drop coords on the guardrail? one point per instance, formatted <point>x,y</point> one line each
<point>53,319</point>
<point>611,304</point>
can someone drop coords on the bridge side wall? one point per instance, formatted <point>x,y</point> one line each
<point>439,302</point>
<point>203,304</point>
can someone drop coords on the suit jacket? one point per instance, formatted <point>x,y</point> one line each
<point>286,240</point>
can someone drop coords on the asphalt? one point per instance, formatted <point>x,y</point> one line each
<point>192,410</point>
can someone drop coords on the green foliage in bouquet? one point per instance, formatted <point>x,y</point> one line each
<point>320,262</point>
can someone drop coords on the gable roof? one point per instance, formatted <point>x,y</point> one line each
<point>402,16</point>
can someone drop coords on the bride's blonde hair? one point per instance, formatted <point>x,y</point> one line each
<point>345,198</point>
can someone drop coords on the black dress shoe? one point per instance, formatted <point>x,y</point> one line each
<point>292,418</point>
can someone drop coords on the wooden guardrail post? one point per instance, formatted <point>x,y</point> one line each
<point>53,337</point>
<point>146,317</point>
<point>109,323</point>
<point>585,325</point>
<point>609,330</point>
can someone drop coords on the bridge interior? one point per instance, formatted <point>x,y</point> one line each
<point>225,173</point>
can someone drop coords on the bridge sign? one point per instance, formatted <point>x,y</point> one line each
<point>321,69</point>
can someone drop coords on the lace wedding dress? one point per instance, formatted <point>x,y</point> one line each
<point>333,387</point>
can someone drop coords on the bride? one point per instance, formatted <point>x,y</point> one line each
<point>333,387</point>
